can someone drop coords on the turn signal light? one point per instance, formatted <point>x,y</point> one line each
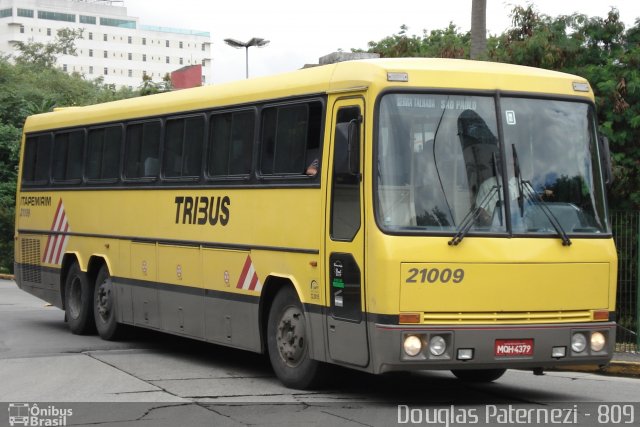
<point>409,318</point>
<point>601,315</point>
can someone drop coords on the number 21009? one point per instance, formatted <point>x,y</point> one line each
<point>434,275</point>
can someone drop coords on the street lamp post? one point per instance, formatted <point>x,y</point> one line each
<point>258,42</point>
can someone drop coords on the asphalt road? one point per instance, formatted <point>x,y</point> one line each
<point>155,379</point>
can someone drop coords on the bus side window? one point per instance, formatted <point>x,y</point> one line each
<point>182,156</point>
<point>231,143</point>
<point>290,138</point>
<point>37,159</point>
<point>68,151</point>
<point>103,153</point>
<point>142,150</point>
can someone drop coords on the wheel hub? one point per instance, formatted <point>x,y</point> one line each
<point>291,336</point>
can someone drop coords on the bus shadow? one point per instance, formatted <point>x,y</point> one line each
<point>424,387</point>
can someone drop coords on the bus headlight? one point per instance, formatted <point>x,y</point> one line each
<point>597,341</point>
<point>412,345</point>
<point>578,342</point>
<point>437,345</point>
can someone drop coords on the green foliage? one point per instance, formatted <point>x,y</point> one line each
<point>149,87</point>
<point>32,86</point>
<point>447,43</point>
<point>44,55</point>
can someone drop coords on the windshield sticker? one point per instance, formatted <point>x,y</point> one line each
<point>511,117</point>
<point>432,103</point>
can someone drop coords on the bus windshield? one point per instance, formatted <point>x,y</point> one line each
<point>442,165</point>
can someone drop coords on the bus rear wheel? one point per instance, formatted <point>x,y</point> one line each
<point>288,343</point>
<point>104,307</point>
<point>478,375</point>
<point>78,301</point>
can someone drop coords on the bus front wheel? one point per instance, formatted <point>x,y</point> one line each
<point>104,307</point>
<point>288,343</point>
<point>78,301</point>
<point>478,375</point>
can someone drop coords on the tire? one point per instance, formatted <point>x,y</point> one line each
<point>478,375</point>
<point>288,343</point>
<point>104,307</point>
<point>78,301</point>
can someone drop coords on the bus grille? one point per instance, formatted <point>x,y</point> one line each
<point>30,265</point>
<point>522,317</point>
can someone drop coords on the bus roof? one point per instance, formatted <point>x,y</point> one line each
<point>424,73</point>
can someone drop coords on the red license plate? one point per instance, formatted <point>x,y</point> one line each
<point>514,347</point>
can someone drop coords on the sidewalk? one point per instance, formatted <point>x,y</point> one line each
<point>622,364</point>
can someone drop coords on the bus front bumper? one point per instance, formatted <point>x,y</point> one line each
<point>407,348</point>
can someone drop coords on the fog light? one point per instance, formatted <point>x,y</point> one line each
<point>465,353</point>
<point>437,345</point>
<point>558,352</point>
<point>597,341</point>
<point>578,343</point>
<point>412,345</point>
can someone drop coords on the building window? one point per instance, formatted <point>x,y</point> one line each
<point>56,16</point>
<point>48,31</point>
<point>91,52</point>
<point>167,43</point>
<point>144,58</point>
<point>120,23</point>
<point>181,61</point>
<point>90,36</point>
<point>180,45</point>
<point>167,60</point>
<point>144,41</point>
<point>203,47</point>
<point>130,73</point>
<point>105,37</point>
<point>90,69</point>
<point>25,13</point>
<point>130,55</point>
<point>87,19</point>
<point>106,71</point>
<point>204,62</point>
<point>21,29</point>
<point>129,39</point>
<point>64,67</point>
<point>106,54</point>
<point>4,13</point>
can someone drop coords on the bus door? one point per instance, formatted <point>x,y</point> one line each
<point>346,318</point>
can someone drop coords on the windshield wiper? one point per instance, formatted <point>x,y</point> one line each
<point>542,205</point>
<point>471,217</point>
<point>518,175</point>
<point>526,189</point>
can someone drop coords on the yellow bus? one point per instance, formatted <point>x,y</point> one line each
<point>384,215</point>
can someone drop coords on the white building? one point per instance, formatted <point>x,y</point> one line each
<point>114,45</point>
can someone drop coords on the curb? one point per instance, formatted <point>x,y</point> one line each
<point>614,368</point>
<point>7,277</point>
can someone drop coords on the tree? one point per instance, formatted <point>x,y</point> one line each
<point>30,86</point>
<point>45,55</point>
<point>478,28</point>
<point>447,43</point>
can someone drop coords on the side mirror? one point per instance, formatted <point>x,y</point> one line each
<point>605,160</point>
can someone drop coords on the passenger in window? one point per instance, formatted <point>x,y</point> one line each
<point>312,169</point>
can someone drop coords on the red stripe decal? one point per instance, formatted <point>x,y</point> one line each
<point>245,271</point>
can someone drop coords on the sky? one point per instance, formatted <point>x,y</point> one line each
<point>301,31</point>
